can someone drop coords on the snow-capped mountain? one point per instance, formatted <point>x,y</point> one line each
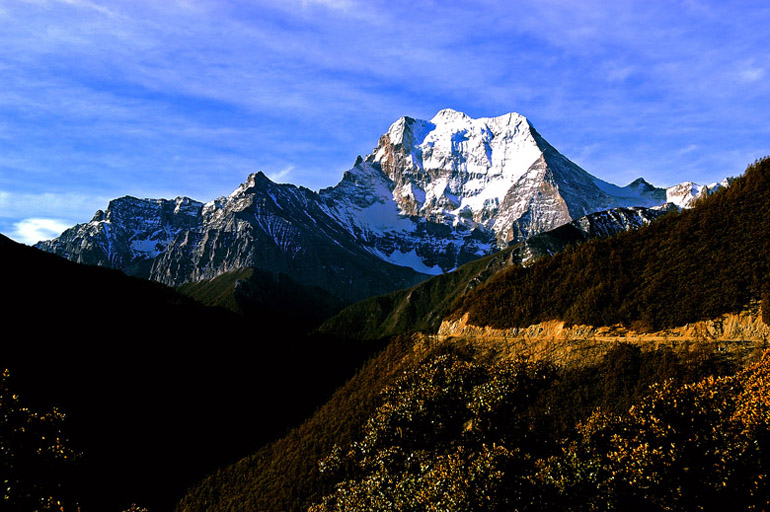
<point>436,194</point>
<point>283,229</point>
<point>686,194</point>
<point>128,235</point>
<point>431,196</point>
<point>276,228</point>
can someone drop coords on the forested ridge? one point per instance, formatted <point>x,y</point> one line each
<point>686,266</point>
<point>424,306</point>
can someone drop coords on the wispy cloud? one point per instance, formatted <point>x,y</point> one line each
<point>282,175</point>
<point>751,73</point>
<point>31,231</point>
<point>331,4</point>
<point>86,4</point>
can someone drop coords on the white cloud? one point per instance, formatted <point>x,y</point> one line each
<point>280,176</point>
<point>31,231</point>
<point>89,5</point>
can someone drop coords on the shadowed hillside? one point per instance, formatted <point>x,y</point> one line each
<point>271,301</point>
<point>158,390</point>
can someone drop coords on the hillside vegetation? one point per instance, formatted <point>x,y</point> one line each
<point>424,412</point>
<point>456,434</point>
<point>448,424</point>
<point>686,266</point>
<point>420,308</point>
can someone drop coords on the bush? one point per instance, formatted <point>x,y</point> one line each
<point>35,457</point>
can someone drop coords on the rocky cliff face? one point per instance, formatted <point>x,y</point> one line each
<point>278,228</point>
<point>128,235</point>
<point>595,225</point>
<point>430,197</point>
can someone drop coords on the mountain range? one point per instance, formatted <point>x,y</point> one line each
<point>431,196</point>
<point>536,356</point>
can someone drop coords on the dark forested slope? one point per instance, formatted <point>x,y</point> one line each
<point>158,389</point>
<point>435,424</point>
<point>269,300</point>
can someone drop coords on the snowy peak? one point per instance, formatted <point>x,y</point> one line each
<point>128,234</point>
<point>254,181</point>
<point>408,131</point>
<point>453,141</point>
<point>454,188</point>
<point>454,163</point>
<point>687,194</point>
<point>640,184</point>
<point>483,172</point>
<point>637,193</point>
<point>134,213</point>
<point>450,119</point>
<point>449,115</point>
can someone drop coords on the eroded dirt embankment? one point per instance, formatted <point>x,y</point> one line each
<point>741,336</point>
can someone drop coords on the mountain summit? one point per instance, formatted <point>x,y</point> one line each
<point>448,190</point>
<point>431,196</point>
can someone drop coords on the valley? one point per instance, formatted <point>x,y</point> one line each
<point>485,385</point>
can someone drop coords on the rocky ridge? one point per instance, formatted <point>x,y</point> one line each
<point>129,234</point>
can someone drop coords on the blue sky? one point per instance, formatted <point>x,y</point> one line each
<point>99,99</point>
